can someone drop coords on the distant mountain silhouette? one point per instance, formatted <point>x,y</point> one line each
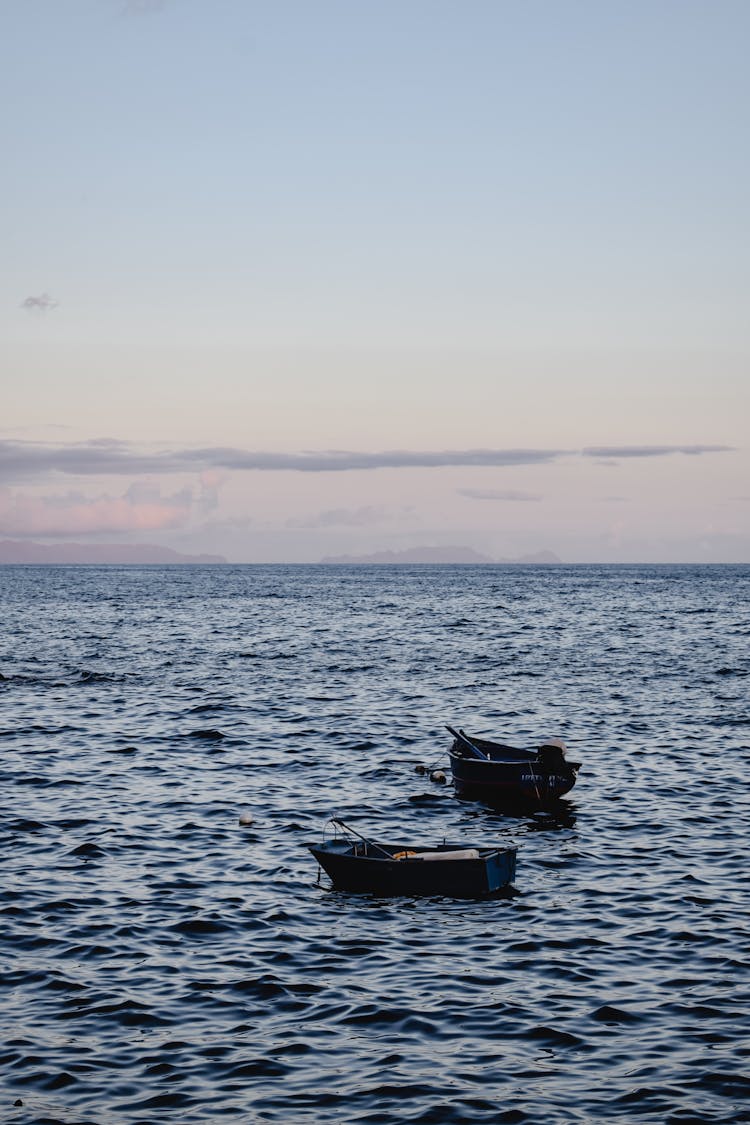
<point>17,551</point>
<point>450,555</point>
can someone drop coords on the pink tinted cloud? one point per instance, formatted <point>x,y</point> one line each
<point>141,508</point>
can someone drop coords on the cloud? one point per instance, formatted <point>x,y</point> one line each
<point>41,304</point>
<point>29,460</point>
<point>498,494</point>
<point>26,460</point>
<point>618,451</point>
<point>331,461</point>
<point>140,508</point>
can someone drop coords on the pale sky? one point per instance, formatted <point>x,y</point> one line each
<point>282,280</point>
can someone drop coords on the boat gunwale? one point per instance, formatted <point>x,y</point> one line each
<point>348,851</point>
<point>511,763</point>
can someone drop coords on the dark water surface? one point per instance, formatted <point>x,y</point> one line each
<point>162,962</point>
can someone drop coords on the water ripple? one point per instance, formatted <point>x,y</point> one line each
<point>163,961</point>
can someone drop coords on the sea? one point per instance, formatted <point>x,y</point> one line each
<point>174,737</point>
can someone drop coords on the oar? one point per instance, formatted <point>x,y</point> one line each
<point>461,737</point>
<point>370,844</point>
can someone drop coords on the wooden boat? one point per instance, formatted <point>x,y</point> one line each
<point>504,776</point>
<point>451,870</point>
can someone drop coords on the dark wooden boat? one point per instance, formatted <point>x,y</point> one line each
<point>504,776</point>
<point>451,870</point>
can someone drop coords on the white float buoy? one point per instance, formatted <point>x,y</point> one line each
<point>246,818</point>
<point>439,776</point>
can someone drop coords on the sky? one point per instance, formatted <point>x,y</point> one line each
<point>284,280</point>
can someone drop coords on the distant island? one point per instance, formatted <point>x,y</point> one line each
<point>450,555</point>
<point>20,552</point>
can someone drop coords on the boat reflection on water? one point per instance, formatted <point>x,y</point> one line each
<point>562,815</point>
<point>558,817</point>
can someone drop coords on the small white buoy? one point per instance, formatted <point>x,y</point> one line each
<point>419,768</point>
<point>246,818</point>
<point>439,776</point>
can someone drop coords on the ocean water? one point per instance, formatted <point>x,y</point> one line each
<point>160,961</point>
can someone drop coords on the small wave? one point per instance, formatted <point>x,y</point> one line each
<point>22,825</point>
<point>259,1068</point>
<point>88,851</point>
<point>96,677</point>
<point>175,1100</point>
<point>38,782</point>
<point>261,988</point>
<point>201,927</point>
<point>607,1013</point>
<point>731,1085</point>
<point>731,721</point>
<point>555,1036</point>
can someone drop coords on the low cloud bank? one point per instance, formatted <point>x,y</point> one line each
<point>619,451</point>
<point>21,460</point>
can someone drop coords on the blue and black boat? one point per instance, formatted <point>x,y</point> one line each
<point>505,776</point>
<point>354,863</point>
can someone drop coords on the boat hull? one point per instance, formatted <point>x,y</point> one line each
<point>378,875</point>
<point>524,782</point>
